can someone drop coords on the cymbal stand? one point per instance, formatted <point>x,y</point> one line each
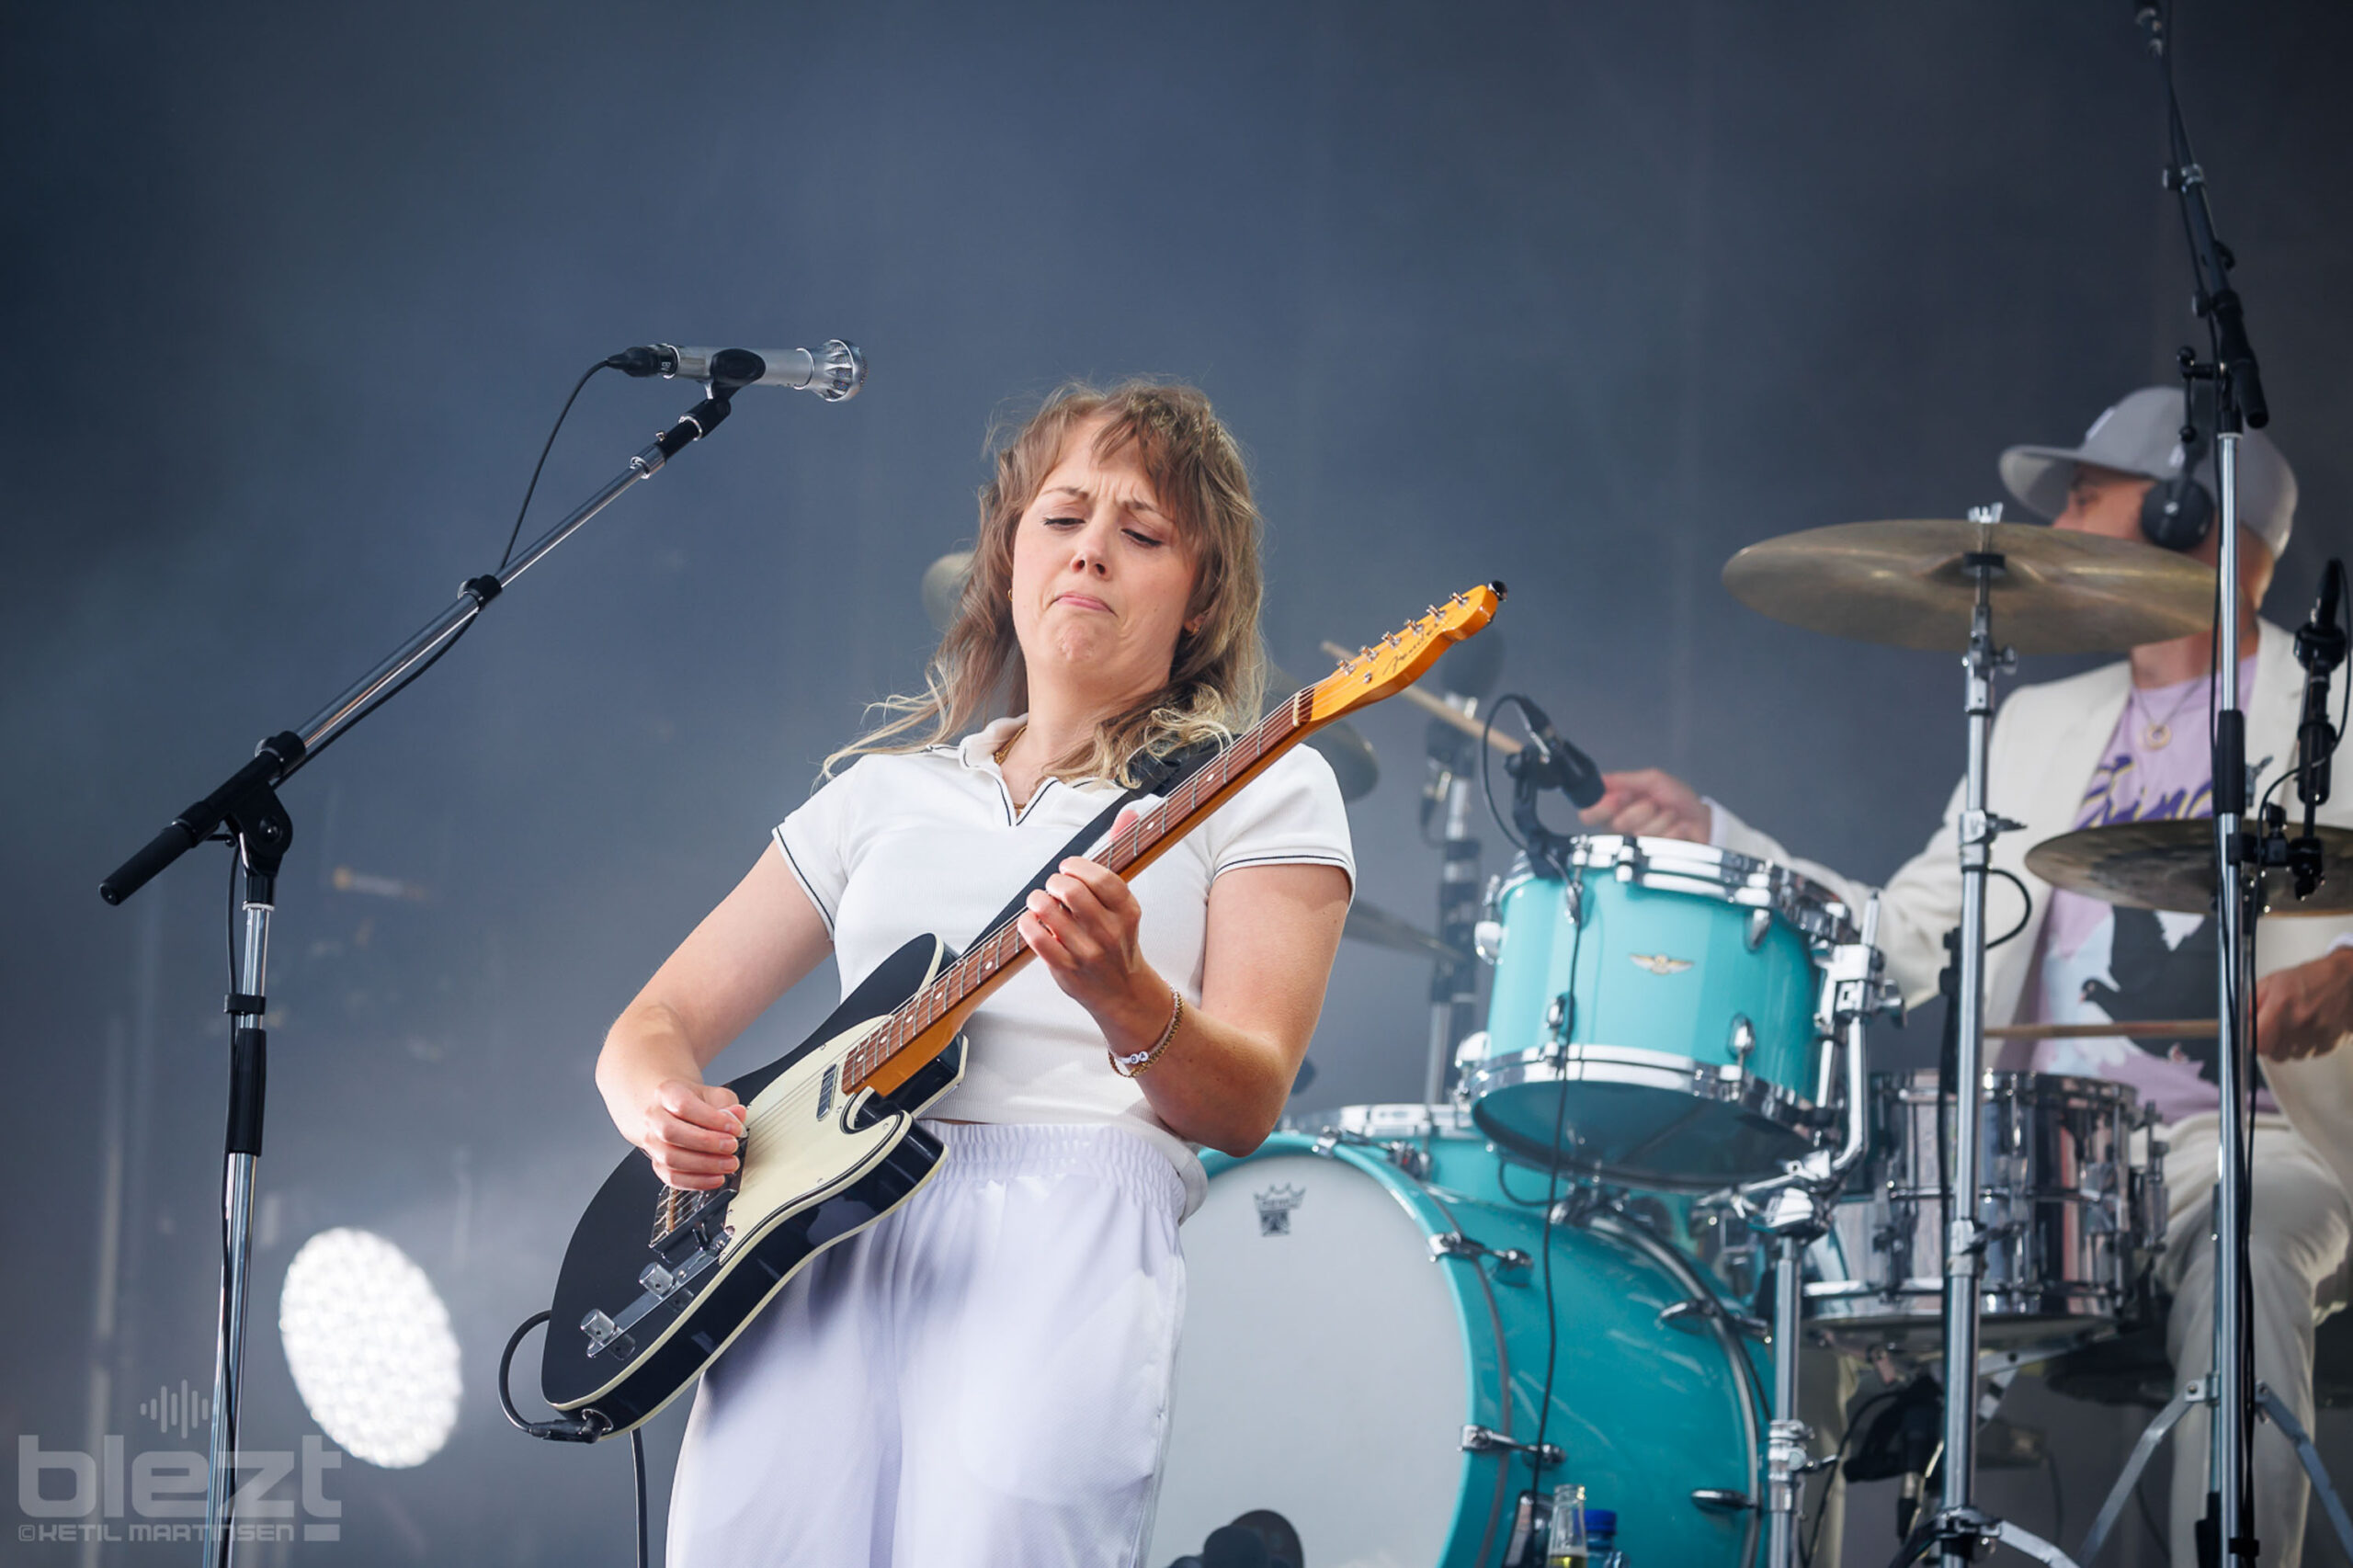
<point>1794,1209</point>
<point>1959,1531</point>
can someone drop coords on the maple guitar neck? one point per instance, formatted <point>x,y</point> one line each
<point>927,1022</point>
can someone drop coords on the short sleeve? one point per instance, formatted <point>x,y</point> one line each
<point>815,840</point>
<point>1292,813</point>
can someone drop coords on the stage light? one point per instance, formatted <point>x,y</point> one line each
<point>369,1345</point>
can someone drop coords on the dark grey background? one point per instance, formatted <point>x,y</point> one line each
<point>1581,296</point>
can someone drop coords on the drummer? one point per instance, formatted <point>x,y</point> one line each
<point>2128,742</point>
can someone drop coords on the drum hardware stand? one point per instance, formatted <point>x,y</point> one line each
<point>2239,400</point>
<point>1453,982</point>
<point>1795,1211</point>
<point>2203,1390</point>
<point>1959,1530</point>
<point>247,804</point>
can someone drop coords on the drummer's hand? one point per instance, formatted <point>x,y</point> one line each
<point>1083,926</point>
<point>1647,802</point>
<point>2307,1010</point>
<point>690,1132</point>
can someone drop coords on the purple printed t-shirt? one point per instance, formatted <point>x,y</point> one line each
<point>2098,962</point>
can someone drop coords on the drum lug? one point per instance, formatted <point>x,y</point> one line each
<point>1723,1499</point>
<point>1760,923</point>
<point>1454,1244</point>
<point>1560,1018</point>
<point>1698,1310</point>
<point>1477,1440</point>
<point>1744,1039</point>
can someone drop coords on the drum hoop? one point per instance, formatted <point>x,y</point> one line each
<point>1719,1083</point>
<point>1701,870</point>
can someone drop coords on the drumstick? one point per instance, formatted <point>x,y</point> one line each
<point>1439,709</point>
<point>2150,1028</point>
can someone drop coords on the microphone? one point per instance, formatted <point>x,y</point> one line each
<point>2321,648</point>
<point>1557,762</point>
<point>833,373</point>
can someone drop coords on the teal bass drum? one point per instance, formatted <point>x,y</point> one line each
<point>1365,1331</point>
<point>1658,1008</point>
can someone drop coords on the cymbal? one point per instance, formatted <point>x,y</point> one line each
<point>1350,755</point>
<point>1375,927</point>
<point>2170,865</point>
<point>1903,583</point>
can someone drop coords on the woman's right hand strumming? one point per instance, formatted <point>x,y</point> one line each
<point>690,1129</point>
<point>763,937</point>
<point>1652,804</point>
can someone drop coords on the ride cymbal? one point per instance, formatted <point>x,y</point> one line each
<point>2170,865</point>
<point>1904,583</point>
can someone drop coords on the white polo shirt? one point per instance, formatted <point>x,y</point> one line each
<point>895,847</point>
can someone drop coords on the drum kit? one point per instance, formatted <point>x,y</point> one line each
<point>1663,1162</point>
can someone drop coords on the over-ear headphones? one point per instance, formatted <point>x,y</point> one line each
<point>2177,513</point>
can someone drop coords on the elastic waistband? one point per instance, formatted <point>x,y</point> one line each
<point>1001,1151</point>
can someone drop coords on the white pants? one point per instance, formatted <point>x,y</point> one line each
<point>2302,1222</point>
<point>982,1378</point>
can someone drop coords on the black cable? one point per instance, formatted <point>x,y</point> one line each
<point>532,488</point>
<point>237,864</point>
<point>1838,1458</point>
<point>637,1464</point>
<point>1553,1200</point>
<point>1488,781</point>
<point>2013,879</point>
<point>2058,1497</point>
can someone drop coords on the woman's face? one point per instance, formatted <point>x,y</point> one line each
<point>1100,577</point>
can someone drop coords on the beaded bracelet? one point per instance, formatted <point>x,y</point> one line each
<point>1134,1066</point>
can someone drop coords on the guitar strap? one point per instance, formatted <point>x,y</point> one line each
<point>1155,776</point>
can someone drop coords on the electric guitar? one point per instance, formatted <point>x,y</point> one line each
<point>658,1281</point>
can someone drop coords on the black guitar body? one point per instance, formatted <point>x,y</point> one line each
<point>637,1316</point>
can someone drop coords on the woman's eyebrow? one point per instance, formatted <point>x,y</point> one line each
<point>1133,503</point>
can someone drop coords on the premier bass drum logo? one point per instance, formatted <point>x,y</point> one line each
<point>1275,1205</point>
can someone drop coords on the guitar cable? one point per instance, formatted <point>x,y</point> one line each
<point>572,1429</point>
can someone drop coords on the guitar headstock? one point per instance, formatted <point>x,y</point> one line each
<point>1398,660</point>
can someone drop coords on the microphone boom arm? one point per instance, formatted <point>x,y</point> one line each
<point>279,757</point>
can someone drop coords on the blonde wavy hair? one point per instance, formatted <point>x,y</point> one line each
<point>1219,676</point>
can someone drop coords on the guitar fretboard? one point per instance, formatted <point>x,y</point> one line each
<point>1003,949</point>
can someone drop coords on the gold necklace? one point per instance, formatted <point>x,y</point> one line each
<point>998,757</point>
<point>2157,733</point>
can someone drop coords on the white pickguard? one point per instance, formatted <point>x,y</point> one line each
<point>794,1159</point>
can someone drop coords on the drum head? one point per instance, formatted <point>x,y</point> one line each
<point>1321,1373</point>
<point>1630,1118</point>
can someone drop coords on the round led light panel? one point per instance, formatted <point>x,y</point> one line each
<point>369,1345</point>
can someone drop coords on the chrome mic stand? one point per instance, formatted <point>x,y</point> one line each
<point>247,804</point>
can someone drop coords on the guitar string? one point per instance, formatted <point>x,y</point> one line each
<point>974,969</point>
<point>953,984</point>
<point>941,995</point>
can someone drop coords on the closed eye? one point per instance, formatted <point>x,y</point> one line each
<point>1144,538</point>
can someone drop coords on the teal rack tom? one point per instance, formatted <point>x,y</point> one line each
<point>1662,1008</point>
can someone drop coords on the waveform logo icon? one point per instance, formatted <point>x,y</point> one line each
<point>184,1409</point>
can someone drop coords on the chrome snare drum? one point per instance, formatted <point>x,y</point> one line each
<point>2074,1217</point>
<point>1660,1006</point>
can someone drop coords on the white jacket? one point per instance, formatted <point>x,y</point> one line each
<point>2046,741</point>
